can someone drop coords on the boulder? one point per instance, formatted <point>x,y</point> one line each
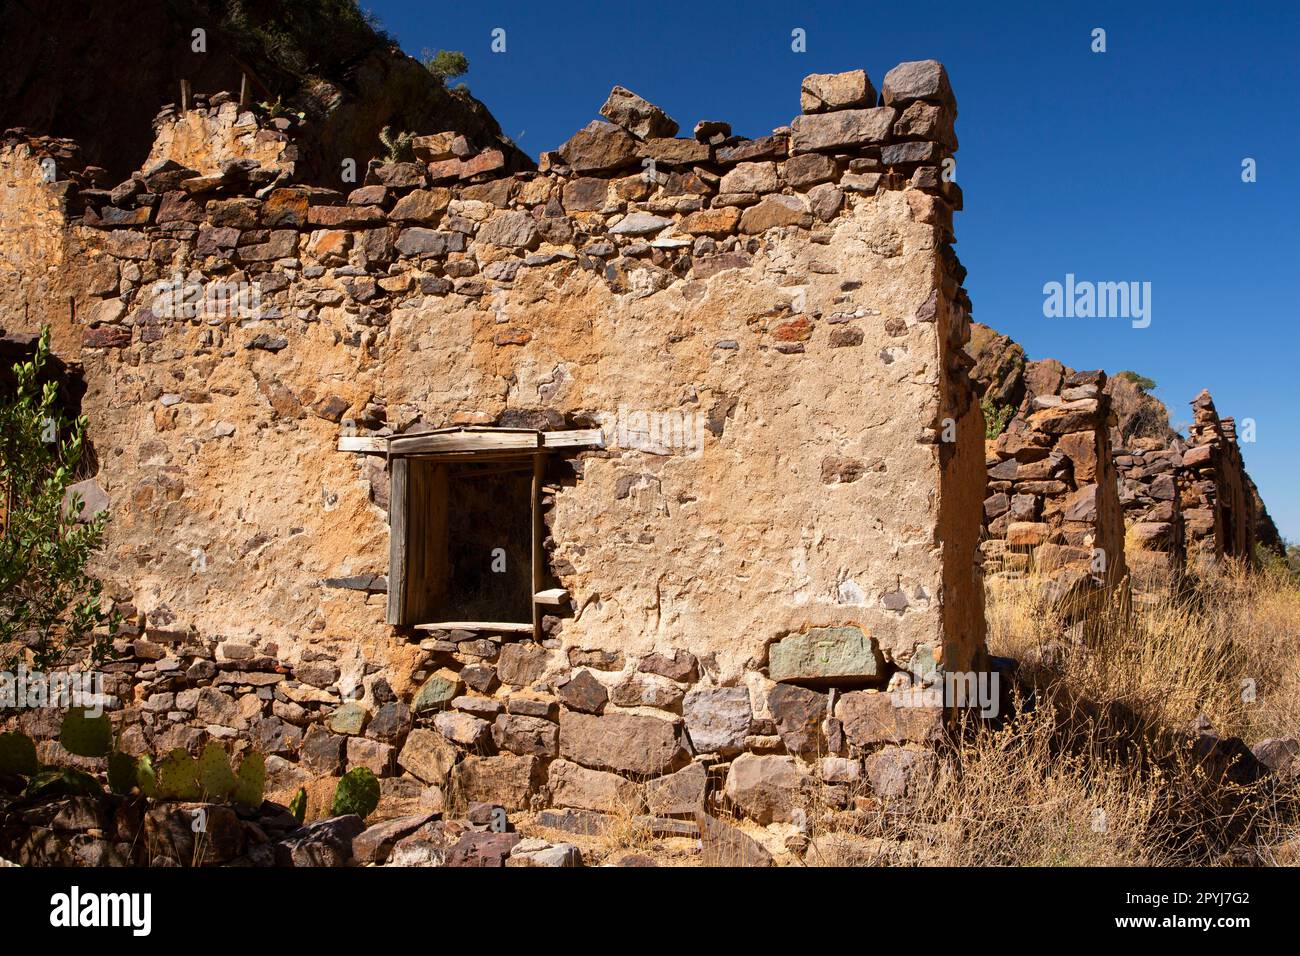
<point>599,148</point>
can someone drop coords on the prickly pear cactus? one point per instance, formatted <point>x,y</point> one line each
<point>357,792</point>
<point>62,781</point>
<point>121,772</point>
<point>251,782</point>
<point>84,735</point>
<point>18,754</point>
<point>298,805</point>
<point>146,778</point>
<point>215,779</point>
<point>178,777</point>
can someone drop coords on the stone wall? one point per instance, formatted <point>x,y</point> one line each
<point>1053,508</point>
<point>738,611</point>
<point>1149,477</point>
<point>1214,491</point>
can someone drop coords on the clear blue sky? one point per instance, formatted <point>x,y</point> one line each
<point>1115,166</point>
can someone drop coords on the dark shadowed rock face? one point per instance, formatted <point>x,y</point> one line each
<point>78,70</point>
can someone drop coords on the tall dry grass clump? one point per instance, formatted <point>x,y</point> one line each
<point>1104,759</point>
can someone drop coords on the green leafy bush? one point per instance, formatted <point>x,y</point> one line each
<point>49,603</point>
<point>1141,381</point>
<point>446,64</point>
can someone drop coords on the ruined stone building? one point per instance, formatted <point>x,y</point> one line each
<point>647,471</point>
<point>1090,488</point>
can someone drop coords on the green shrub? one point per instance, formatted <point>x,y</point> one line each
<point>995,417</point>
<point>49,602</point>
<point>446,64</point>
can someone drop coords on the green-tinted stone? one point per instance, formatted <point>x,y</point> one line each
<point>436,693</point>
<point>824,653</point>
<point>349,718</point>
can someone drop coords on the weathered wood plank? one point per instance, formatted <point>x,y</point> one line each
<point>397,534</point>
<point>507,627</point>
<point>363,443</point>
<point>576,438</point>
<point>552,597</point>
<point>463,441</point>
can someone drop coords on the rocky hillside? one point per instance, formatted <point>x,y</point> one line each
<point>77,70</point>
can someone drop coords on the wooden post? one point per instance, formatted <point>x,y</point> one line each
<point>185,96</point>
<point>539,471</point>
<point>397,545</point>
<point>243,90</point>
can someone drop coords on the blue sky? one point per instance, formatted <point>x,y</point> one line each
<point>1116,166</point>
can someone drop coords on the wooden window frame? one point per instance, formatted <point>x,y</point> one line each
<point>467,445</point>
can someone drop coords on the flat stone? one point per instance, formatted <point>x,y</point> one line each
<point>677,794</point>
<point>519,734</point>
<point>640,224</point>
<point>824,654</point>
<point>799,713</point>
<point>717,719</point>
<point>506,779</point>
<point>428,756</point>
<point>583,692</point>
<point>626,743</point>
<point>375,843</point>
<point>323,843</point>
<point>522,664</point>
<point>766,788</point>
<point>823,92</point>
<point>463,729</point>
<point>540,853</point>
<point>876,717</point>
<point>724,845</point>
<point>750,178</point>
<point>775,211</point>
<point>575,786</point>
<point>516,230</point>
<point>437,692</point>
<point>897,771</point>
<point>814,132</point>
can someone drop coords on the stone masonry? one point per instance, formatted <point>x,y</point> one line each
<point>738,610</point>
<point>1053,507</point>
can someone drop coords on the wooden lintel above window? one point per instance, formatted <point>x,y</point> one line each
<point>473,441</point>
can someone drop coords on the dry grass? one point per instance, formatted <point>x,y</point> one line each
<point>1095,766</point>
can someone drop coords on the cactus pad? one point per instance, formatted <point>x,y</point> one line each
<point>145,777</point>
<point>18,754</point>
<point>215,779</point>
<point>357,792</point>
<point>84,735</point>
<point>178,776</point>
<point>251,781</point>
<point>298,805</point>
<point>121,772</point>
